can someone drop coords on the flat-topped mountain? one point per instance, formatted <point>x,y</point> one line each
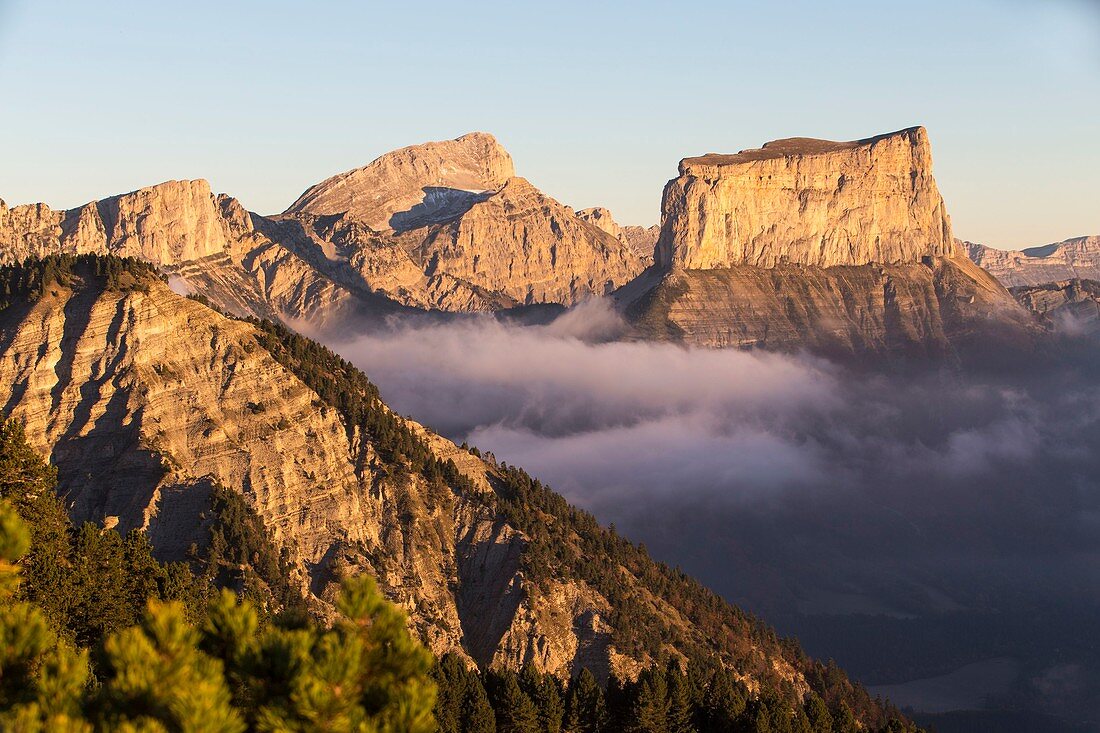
<point>1077,258</point>
<point>806,201</point>
<point>842,248</point>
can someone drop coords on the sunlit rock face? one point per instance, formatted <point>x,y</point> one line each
<point>639,239</point>
<point>413,186</point>
<point>145,399</point>
<point>205,243</point>
<point>172,222</point>
<point>439,226</point>
<point>1077,258</point>
<point>807,201</point>
<point>449,226</point>
<point>839,248</point>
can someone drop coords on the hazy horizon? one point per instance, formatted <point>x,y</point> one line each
<point>265,104</point>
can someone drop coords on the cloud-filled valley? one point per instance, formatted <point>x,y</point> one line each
<point>785,482</point>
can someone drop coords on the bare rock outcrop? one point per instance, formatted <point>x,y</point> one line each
<point>206,243</point>
<point>439,226</point>
<point>1067,306</point>
<point>172,222</point>
<point>807,201</point>
<point>525,245</point>
<point>448,226</point>
<point>640,240</point>
<point>841,248</point>
<point>602,219</point>
<point>1077,258</point>
<point>413,186</point>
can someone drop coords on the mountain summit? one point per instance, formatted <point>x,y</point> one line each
<point>418,184</point>
<point>807,201</point>
<point>839,247</point>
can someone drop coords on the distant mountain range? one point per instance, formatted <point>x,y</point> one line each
<point>842,248</point>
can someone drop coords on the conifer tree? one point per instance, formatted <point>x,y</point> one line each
<point>586,708</point>
<point>29,484</point>
<point>155,677</point>
<point>650,705</point>
<point>544,693</point>
<point>723,703</point>
<point>451,680</point>
<point>680,706</point>
<point>477,713</point>
<point>844,721</point>
<point>818,715</point>
<point>515,713</point>
<point>42,679</point>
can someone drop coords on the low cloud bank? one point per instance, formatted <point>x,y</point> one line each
<point>784,482</point>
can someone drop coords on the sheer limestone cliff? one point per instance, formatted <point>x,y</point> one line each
<point>1077,258</point>
<point>806,201</point>
<point>174,222</point>
<point>842,248</point>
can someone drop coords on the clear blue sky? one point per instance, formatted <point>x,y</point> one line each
<point>596,101</point>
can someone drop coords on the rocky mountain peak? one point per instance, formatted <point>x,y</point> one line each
<point>600,217</point>
<point>638,239</point>
<point>807,201</point>
<point>413,186</point>
<point>166,224</point>
<point>1068,260</point>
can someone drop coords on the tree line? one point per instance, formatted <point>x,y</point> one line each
<point>660,700</point>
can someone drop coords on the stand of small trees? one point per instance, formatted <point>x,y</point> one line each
<point>96,635</point>
<point>29,280</point>
<point>661,700</point>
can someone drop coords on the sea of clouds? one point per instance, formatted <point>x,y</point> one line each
<point>785,482</point>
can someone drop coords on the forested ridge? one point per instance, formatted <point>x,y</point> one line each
<point>569,543</point>
<point>107,612</point>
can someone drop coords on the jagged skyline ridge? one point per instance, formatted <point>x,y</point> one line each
<point>584,140</point>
